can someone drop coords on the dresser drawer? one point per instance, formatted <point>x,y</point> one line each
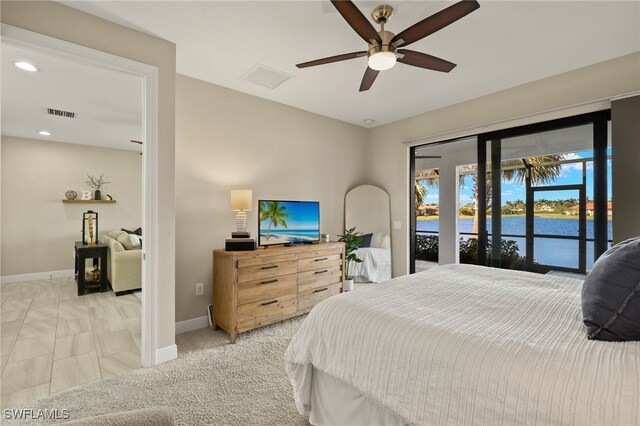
<point>319,262</point>
<point>310,298</point>
<point>256,314</point>
<point>318,253</point>
<point>266,260</point>
<point>267,288</point>
<point>266,271</point>
<point>310,280</point>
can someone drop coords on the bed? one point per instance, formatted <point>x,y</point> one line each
<point>376,260</point>
<point>461,344</point>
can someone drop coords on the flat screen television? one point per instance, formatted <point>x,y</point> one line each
<point>287,222</point>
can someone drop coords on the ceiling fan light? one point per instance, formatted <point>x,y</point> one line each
<point>381,61</point>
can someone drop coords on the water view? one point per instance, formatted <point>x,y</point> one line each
<point>548,251</point>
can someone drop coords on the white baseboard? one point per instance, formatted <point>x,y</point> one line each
<point>166,354</point>
<point>36,276</point>
<point>192,324</point>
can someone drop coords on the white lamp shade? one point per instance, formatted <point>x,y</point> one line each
<point>241,199</point>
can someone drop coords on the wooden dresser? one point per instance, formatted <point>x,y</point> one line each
<point>256,288</point>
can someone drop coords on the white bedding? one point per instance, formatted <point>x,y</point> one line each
<point>375,266</point>
<point>462,344</point>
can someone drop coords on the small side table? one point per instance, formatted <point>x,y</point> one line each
<point>97,252</point>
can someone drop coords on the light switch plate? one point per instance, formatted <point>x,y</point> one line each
<point>397,224</point>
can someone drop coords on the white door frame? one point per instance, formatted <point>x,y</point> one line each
<point>19,37</point>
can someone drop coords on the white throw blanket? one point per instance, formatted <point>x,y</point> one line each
<point>375,265</point>
<point>462,344</point>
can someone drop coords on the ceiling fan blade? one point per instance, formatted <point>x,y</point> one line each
<point>435,22</point>
<point>331,59</point>
<point>356,20</point>
<point>368,79</point>
<point>422,60</point>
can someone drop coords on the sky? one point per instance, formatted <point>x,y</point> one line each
<point>512,191</point>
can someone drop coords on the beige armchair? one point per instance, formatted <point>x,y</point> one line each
<point>124,267</point>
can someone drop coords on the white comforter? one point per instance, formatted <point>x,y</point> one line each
<point>462,344</point>
<point>375,265</point>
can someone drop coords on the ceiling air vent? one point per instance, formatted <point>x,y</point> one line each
<point>265,76</point>
<point>61,113</point>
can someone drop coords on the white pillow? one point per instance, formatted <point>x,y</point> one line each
<point>135,241</point>
<point>115,234</point>
<point>376,239</point>
<point>386,242</point>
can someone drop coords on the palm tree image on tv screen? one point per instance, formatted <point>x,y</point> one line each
<point>288,222</point>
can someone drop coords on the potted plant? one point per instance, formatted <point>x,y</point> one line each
<point>352,241</point>
<point>96,183</point>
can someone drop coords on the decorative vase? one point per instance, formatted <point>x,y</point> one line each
<point>348,284</point>
<point>97,195</point>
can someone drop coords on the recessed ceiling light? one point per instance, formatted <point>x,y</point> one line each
<point>369,121</point>
<point>44,133</point>
<point>26,66</point>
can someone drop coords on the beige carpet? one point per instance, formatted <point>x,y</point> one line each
<point>211,383</point>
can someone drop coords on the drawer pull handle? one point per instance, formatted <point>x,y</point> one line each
<point>321,259</point>
<point>269,281</point>
<point>320,289</point>
<point>270,267</point>
<point>321,272</point>
<point>269,303</point>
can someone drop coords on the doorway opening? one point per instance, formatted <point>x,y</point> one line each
<point>148,75</point>
<point>438,174</point>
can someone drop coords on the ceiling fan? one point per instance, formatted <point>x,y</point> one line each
<point>135,141</point>
<point>384,46</point>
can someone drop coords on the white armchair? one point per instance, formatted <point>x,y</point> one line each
<point>376,260</point>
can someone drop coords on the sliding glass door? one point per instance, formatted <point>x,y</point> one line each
<point>533,198</point>
<point>544,202</point>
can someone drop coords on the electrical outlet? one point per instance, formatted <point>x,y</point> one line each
<point>199,289</point>
<point>397,224</point>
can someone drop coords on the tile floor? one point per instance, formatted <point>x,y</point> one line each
<point>52,340</point>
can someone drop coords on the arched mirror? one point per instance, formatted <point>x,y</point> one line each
<point>367,208</point>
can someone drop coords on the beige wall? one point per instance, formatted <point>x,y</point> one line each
<point>389,155</point>
<point>39,230</point>
<point>229,140</point>
<point>625,139</point>
<point>61,22</point>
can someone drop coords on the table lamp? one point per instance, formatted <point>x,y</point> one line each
<point>241,200</point>
<point>90,228</point>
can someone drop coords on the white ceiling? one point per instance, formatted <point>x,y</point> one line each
<point>108,104</point>
<point>501,45</point>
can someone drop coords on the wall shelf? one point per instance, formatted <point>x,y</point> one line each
<point>89,201</point>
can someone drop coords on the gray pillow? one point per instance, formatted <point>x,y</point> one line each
<point>611,294</point>
<point>366,240</point>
